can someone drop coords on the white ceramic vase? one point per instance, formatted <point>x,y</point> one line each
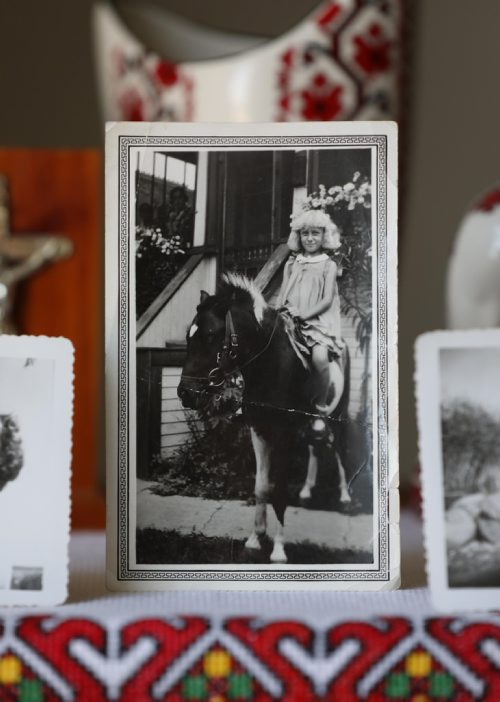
<point>341,62</point>
<point>473,282</point>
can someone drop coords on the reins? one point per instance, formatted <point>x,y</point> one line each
<point>230,353</point>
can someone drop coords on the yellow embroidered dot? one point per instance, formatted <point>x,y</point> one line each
<point>10,670</point>
<point>418,664</point>
<point>217,664</point>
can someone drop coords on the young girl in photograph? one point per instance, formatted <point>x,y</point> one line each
<point>309,295</point>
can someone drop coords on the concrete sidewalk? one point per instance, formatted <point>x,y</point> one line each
<point>234,519</point>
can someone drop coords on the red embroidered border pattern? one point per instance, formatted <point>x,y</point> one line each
<point>49,659</point>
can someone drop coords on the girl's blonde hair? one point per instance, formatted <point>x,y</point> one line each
<point>317,219</point>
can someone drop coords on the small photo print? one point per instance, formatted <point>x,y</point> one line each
<point>470,425</point>
<point>36,382</point>
<point>255,366</point>
<point>458,392</point>
<point>26,578</point>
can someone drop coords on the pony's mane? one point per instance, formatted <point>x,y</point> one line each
<point>235,280</point>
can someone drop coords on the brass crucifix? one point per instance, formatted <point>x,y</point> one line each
<point>21,256</point>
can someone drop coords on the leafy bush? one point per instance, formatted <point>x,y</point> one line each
<point>470,440</point>
<point>11,451</point>
<point>158,258</point>
<point>214,464</point>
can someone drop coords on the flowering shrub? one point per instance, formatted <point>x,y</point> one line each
<point>160,252</point>
<point>339,197</point>
<point>147,238</point>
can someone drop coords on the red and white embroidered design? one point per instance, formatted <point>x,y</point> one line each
<point>489,201</point>
<point>347,66</point>
<point>56,659</point>
<point>146,88</point>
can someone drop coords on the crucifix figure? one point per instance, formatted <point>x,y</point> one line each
<point>21,256</point>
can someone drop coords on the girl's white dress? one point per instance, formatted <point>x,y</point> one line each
<point>304,289</point>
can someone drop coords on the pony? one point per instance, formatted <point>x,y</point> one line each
<point>235,333</point>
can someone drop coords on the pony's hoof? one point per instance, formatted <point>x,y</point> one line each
<point>305,493</point>
<point>253,542</point>
<point>345,498</point>
<point>278,554</point>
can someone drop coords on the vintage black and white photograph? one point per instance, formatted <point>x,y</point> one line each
<point>461,464</point>
<point>25,578</point>
<point>35,424</point>
<point>253,295</point>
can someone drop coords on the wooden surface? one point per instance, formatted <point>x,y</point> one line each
<point>59,192</point>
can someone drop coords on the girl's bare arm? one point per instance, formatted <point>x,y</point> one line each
<point>327,299</point>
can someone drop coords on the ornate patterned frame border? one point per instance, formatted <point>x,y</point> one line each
<point>124,348</point>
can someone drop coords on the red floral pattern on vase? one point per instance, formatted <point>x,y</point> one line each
<point>356,53</point>
<point>131,106</point>
<point>167,73</point>
<point>326,18</point>
<point>322,101</point>
<point>489,201</point>
<point>150,89</point>
<point>373,53</point>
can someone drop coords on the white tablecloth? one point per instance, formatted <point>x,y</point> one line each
<point>88,593</point>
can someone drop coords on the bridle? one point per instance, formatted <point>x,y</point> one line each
<point>227,358</point>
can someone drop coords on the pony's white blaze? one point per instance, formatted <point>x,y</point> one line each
<point>244,283</point>
<point>193,330</point>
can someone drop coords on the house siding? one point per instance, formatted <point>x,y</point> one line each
<point>174,425</point>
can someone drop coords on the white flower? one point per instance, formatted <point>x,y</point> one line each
<point>356,176</point>
<point>329,200</point>
<point>335,189</point>
<point>315,202</point>
<point>348,187</point>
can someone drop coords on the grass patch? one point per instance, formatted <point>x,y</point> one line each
<point>170,547</point>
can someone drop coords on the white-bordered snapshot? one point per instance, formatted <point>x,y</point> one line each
<point>36,413</point>
<point>458,402</point>
<point>251,356</point>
